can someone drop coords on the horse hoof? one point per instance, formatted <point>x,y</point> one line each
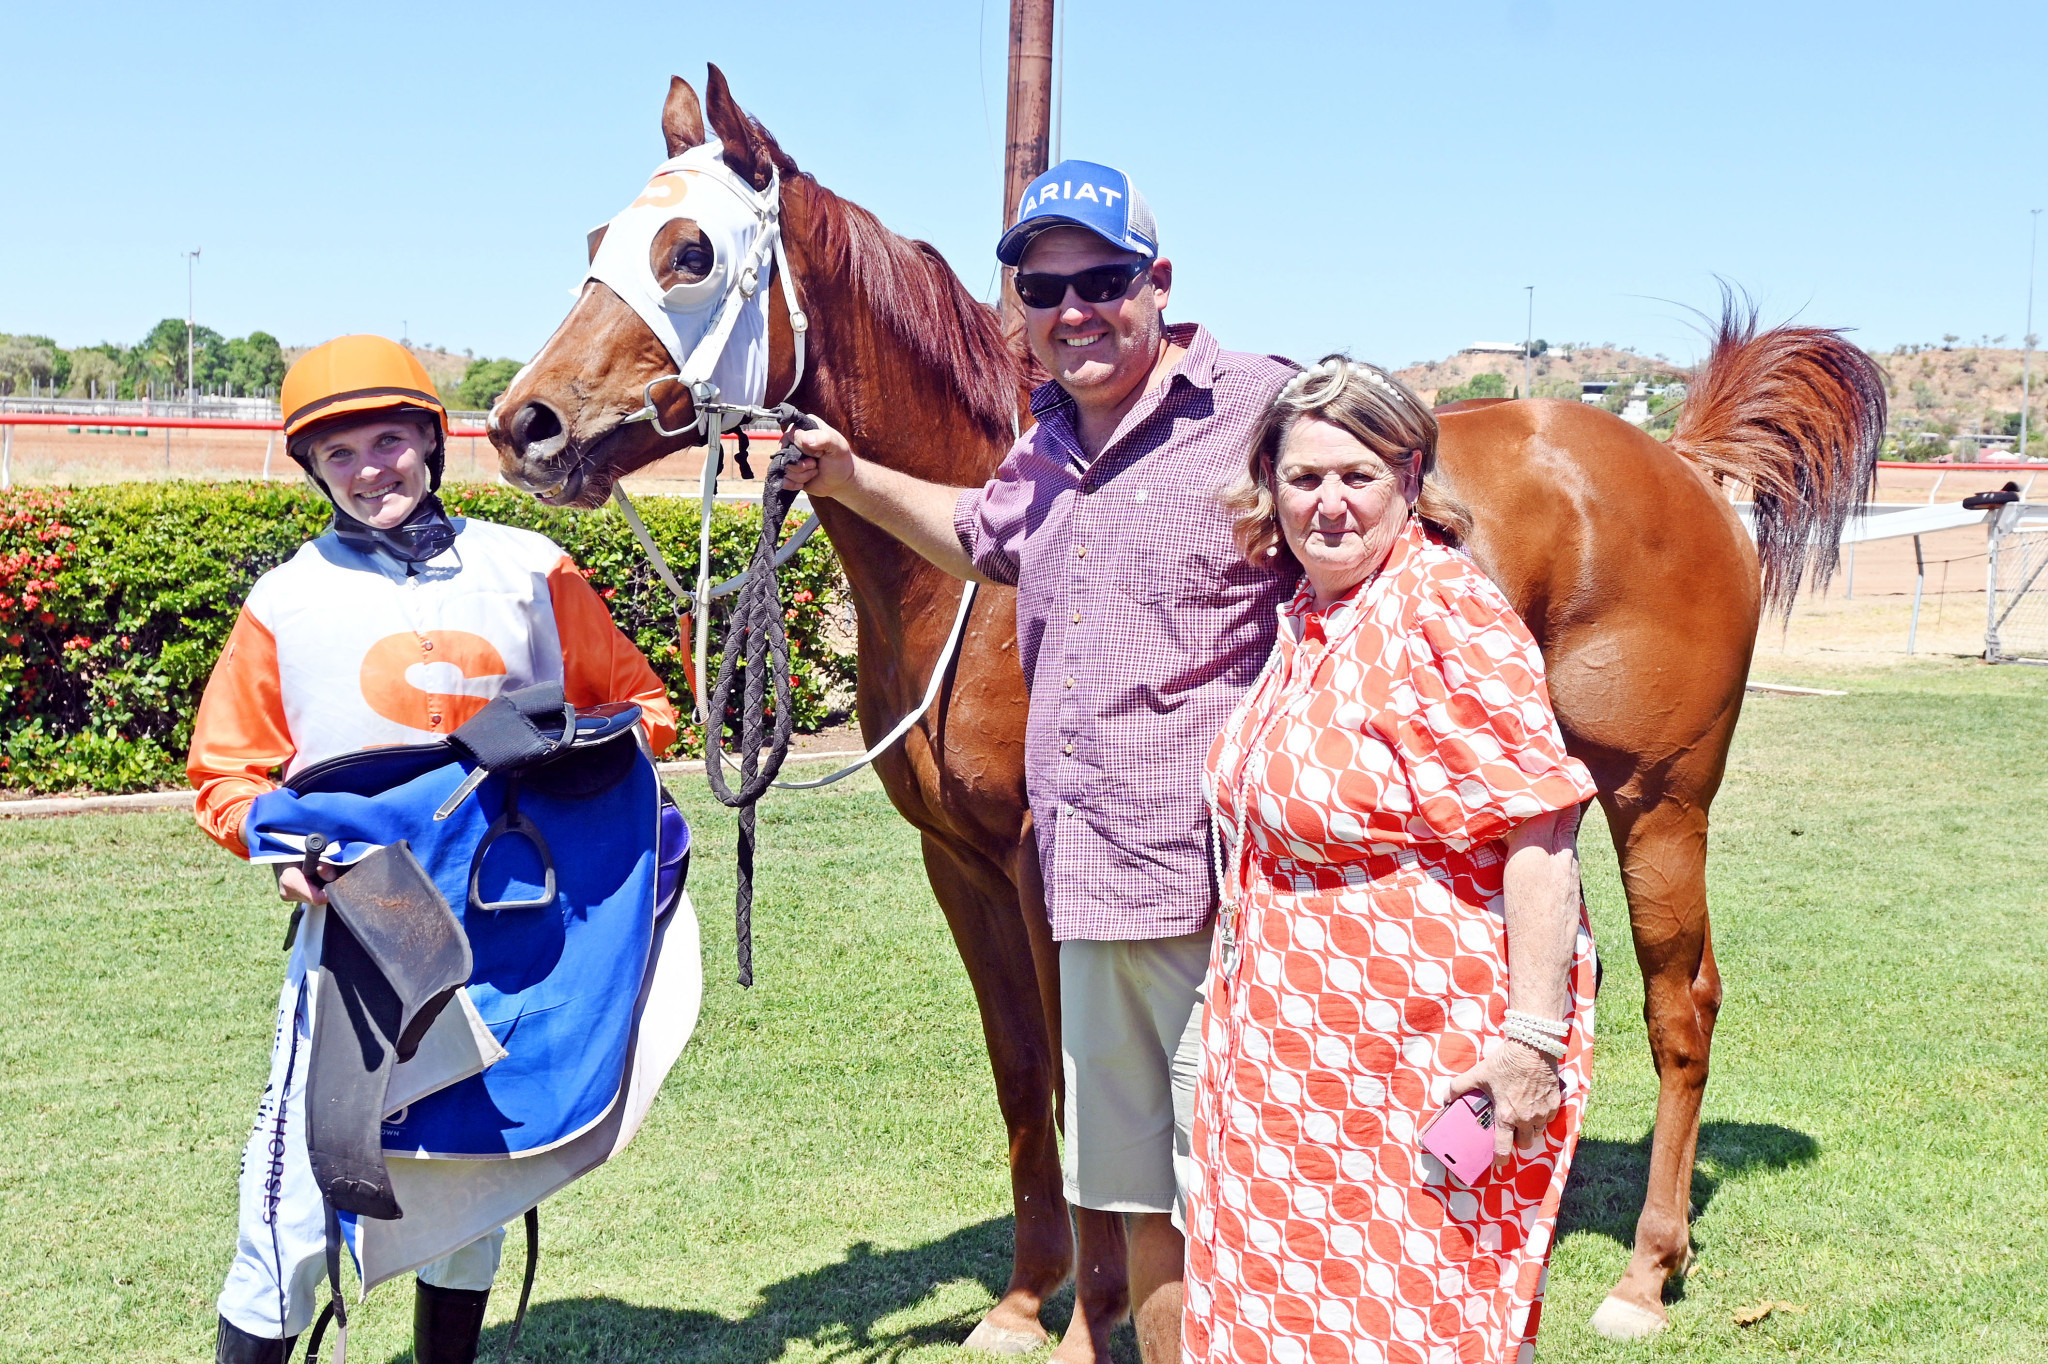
<point>992,1339</point>
<point>1624,1321</point>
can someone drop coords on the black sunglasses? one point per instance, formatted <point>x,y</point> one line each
<point>1097,285</point>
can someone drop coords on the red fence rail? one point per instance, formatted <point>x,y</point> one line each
<point>1936,466</point>
<point>175,423</point>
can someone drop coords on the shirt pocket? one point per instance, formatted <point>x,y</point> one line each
<point>1177,550</point>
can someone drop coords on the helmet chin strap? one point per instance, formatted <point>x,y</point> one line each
<point>425,534</point>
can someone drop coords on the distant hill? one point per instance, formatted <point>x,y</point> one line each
<point>1940,396</point>
<point>445,367</point>
<point>1556,373</point>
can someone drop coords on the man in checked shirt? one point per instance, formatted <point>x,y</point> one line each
<point>1139,625</point>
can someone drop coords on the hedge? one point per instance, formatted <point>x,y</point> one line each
<point>115,602</point>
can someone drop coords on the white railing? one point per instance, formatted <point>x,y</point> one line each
<point>141,409</point>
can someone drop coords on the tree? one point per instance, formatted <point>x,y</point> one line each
<point>254,364</point>
<point>94,372</point>
<point>26,360</point>
<point>482,384</point>
<point>1487,385</point>
<point>160,358</point>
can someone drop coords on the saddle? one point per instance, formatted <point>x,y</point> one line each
<point>393,952</point>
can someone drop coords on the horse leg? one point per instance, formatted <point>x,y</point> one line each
<point>1101,1277</point>
<point>980,905</point>
<point>1663,851</point>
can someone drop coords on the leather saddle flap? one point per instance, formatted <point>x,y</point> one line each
<point>392,956</point>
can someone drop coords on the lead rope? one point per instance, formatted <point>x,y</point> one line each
<point>756,628</point>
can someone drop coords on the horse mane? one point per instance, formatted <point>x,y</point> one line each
<point>1797,414</point>
<point>917,298</point>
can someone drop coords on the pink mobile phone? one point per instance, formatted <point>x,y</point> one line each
<point>1461,1136</point>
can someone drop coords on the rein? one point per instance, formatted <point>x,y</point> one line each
<point>756,626</point>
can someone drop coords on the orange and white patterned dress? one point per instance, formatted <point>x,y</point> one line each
<point>1362,789</point>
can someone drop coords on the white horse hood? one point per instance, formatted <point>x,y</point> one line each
<point>715,329</point>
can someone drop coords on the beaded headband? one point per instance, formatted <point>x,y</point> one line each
<point>1321,382</point>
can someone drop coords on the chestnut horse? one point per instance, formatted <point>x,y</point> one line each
<point>1623,553</point>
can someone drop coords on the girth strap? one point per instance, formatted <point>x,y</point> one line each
<point>526,1288</point>
<point>337,1308</point>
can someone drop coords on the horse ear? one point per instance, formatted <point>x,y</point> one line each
<point>682,118</point>
<point>745,150</point>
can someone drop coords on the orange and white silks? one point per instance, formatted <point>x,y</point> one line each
<point>337,650</point>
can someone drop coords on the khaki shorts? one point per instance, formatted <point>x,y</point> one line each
<point>1131,1045</point>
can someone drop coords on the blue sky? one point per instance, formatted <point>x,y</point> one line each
<point>1384,178</point>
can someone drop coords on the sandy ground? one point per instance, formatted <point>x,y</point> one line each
<point>46,456</point>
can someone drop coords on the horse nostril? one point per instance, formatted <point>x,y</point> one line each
<point>535,424</point>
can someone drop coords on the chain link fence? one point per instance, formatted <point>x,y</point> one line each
<point>2016,607</point>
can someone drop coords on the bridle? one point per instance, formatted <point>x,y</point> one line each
<point>730,290</point>
<point>694,370</point>
<point>622,263</point>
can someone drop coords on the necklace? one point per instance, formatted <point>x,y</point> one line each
<point>1230,856</point>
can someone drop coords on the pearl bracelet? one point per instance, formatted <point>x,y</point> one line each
<point>1516,1030</point>
<point>1554,1027</point>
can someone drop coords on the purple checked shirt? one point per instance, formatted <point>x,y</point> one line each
<point>1139,625</point>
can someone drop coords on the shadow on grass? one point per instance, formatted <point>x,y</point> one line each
<point>1605,1192</point>
<point>840,1311</point>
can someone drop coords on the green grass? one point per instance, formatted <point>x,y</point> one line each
<point>823,1177</point>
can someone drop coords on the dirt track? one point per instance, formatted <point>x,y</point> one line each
<point>45,456</point>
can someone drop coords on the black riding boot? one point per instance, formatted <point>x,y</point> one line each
<point>446,1323</point>
<point>233,1345</point>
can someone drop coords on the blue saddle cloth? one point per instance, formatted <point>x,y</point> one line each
<point>556,984</point>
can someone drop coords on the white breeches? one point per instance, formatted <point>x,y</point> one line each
<point>281,1247</point>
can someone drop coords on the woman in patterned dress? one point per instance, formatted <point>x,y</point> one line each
<point>1396,822</point>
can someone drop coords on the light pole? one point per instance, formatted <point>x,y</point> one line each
<point>191,377</point>
<point>1529,346</point>
<point>2027,359</point>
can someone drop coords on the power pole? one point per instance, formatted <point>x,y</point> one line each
<point>191,376</point>
<point>1529,346</point>
<point>1030,116</point>
<point>2027,361</point>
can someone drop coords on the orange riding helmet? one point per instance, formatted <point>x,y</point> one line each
<point>356,375</point>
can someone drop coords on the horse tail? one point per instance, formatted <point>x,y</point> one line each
<point>1797,414</point>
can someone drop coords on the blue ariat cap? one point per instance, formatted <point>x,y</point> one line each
<point>1083,194</point>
